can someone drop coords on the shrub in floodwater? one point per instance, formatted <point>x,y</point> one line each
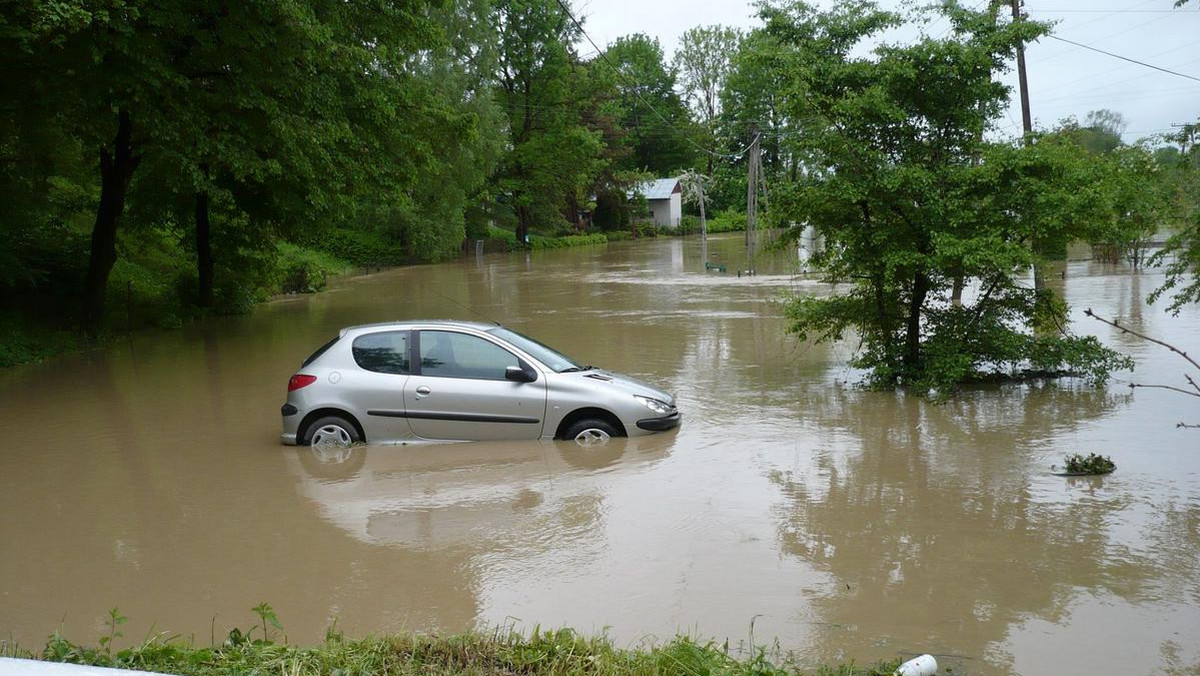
<point>1092,464</point>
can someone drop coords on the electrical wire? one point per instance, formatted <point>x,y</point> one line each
<point>1108,85</point>
<point>1123,58</point>
<point>1103,11</point>
<point>1076,26</point>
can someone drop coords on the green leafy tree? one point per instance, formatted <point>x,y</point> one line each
<point>226,100</point>
<point>1144,203</point>
<point>450,130</point>
<point>551,155</point>
<point>703,63</point>
<point>910,199</point>
<point>1099,134</point>
<point>1181,255</point>
<point>658,127</point>
<point>753,105</point>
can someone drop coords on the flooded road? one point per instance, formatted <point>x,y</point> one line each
<point>790,507</point>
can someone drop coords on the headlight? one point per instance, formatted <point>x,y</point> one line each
<point>655,405</point>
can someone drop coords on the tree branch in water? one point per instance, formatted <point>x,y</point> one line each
<point>1187,376</point>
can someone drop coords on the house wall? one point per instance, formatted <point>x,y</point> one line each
<point>667,212</point>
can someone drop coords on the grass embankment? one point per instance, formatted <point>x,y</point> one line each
<point>154,286</point>
<point>505,239</point>
<point>558,653</point>
<point>153,290</point>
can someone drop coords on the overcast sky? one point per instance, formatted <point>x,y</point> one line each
<point>1064,79</point>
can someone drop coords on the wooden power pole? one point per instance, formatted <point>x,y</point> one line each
<point>752,191</point>
<point>1026,119</point>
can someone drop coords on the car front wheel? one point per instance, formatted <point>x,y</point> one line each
<point>332,431</point>
<point>590,432</point>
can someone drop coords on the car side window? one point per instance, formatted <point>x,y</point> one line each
<point>384,352</point>
<point>458,355</point>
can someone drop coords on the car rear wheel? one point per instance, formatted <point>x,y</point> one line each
<point>332,431</point>
<point>590,432</point>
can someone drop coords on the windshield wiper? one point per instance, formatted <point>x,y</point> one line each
<point>576,369</point>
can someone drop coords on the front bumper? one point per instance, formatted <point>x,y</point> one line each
<point>660,424</point>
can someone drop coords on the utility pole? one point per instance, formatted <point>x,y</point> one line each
<point>1026,119</point>
<point>752,191</point>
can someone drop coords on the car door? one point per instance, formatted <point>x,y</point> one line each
<point>375,392</point>
<point>459,391</point>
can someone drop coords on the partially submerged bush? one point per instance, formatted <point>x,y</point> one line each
<point>1092,464</point>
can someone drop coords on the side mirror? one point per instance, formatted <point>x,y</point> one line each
<point>518,374</point>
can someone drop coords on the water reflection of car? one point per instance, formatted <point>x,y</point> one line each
<point>427,498</point>
<point>461,381</point>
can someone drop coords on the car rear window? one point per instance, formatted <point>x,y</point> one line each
<point>384,352</point>
<point>320,351</point>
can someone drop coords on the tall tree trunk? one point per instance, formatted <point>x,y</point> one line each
<point>523,219</point>
<point>912,335</point>
<point>204,258</point>
<point>116,168</point>
<point>572,214</point>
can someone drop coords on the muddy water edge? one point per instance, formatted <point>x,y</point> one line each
<point>791,508</point>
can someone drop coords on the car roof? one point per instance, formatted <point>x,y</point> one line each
<point>419,324</point>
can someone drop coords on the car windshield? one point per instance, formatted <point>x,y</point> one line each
<point>547,355</point>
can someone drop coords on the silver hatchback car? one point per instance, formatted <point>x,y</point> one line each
<point>460,381</point>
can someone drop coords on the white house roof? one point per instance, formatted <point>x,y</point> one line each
<point>659,189</point>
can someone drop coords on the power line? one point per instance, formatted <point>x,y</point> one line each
<point>1103,11</point>
<point>1123,58</point>
<point>1110,84</point>
<point>1102,17</point>
<point>633,87</point>
<point>1130,29</point>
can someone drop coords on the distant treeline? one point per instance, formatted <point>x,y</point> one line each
<point>184,157</point>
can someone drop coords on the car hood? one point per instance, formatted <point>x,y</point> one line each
<point>627,384</point>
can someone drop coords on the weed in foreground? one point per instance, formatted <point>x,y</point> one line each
<point>562,652</point>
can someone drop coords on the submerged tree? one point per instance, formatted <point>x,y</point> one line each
<point>910,199</point>
<point>1193,389</point>
<point>1181,255</point>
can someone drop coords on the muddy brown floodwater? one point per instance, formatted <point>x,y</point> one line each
<point>790,507</point>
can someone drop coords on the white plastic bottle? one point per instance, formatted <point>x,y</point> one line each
<point>923,665</point>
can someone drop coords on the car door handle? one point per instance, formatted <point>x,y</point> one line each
<point>423,390</point>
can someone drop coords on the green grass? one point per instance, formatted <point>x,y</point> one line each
<point>302,270</point>
<point>500,653</point>
<point>25,341</point>
<point>536,241</point>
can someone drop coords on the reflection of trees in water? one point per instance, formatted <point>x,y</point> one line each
<point>1172,536</point>
<point>939,533</point>
<point>1175,663</point>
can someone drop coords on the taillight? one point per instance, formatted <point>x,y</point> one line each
<point>300,380</point>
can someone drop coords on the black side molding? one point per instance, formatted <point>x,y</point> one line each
<point>457,417</point>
